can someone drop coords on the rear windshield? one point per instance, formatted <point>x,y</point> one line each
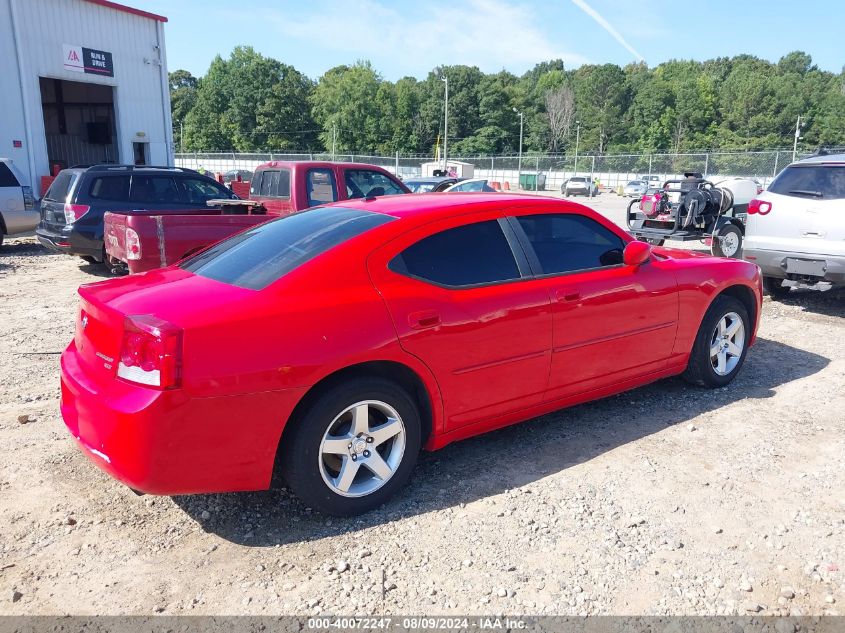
<point>825,182</point>
<point>61,186</point>
<point>258,257</point>
<point>7,178</point>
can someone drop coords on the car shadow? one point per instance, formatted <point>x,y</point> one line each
<point>830,303</point>
<point>463,472</point>
<point>19,248</point>
<point>97,270</point>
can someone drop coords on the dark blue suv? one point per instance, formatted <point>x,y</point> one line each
<point>73,207</point>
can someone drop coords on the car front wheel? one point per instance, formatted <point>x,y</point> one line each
<point>721,344</point>
<point>353,448</point>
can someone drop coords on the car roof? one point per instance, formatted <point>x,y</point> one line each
<point>833,159</point>
<point>311,164</point>
<point>426,207</point>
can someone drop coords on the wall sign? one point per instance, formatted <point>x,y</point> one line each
<point>87,60</point>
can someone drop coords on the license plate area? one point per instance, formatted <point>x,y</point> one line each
<point>809,267</point>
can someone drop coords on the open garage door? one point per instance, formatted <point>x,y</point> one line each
<point>79,123</point>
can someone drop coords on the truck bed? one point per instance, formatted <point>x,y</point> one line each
<point>165,239</point>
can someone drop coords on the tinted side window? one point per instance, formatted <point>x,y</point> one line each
<point>114,188</point>
<point>154,189</point>
<point>463,256</point>
<point>7,178</point>
<point>321,187</point>
<point>262,255</point>
<point>200,190</point>
<point>61,187</point>
<point>567,242</point>
<point>826,182</point>
<point>364,183</point>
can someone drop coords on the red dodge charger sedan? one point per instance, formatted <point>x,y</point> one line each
<point>334,343</point>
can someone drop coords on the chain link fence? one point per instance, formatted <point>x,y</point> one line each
<point>551,170</point>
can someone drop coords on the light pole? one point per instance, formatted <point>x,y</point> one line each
<point>445,80</point>
<point>577,138</point>
<point>519,164</point>
<point>797,136</point>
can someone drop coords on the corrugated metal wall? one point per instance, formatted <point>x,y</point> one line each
<point>142,104</point>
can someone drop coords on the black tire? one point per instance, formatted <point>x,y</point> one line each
<point>89,259</point>
<point>2,235</point>
<point>773,286</point>
<point>299,457</point>
<point>732,235</point>
<point>700,370</point>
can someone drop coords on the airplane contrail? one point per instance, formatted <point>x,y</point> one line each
<point>586,8</point>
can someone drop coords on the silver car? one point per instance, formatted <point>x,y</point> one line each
<point>795,230</point>
<point>635,189</point>
<point>17,205</point>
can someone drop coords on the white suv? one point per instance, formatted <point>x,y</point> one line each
<point>795,231</point>
<point>17,206</point>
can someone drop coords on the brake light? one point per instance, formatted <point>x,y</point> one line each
<point>759,206</point>
<point>151,352</point>
<point>133,244</point>
<point>75,211</point>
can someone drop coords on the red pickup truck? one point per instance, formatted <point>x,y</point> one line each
<point>143,241</point>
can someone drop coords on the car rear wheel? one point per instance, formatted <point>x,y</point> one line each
<point>773,286</point>
<point>353,448</point>
<point>721,344</point>
<point>727,242</point>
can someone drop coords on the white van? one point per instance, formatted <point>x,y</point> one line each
<point>17,206</point>
<point>795,231</point>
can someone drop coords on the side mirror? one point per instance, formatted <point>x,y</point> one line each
<point>636,253</point>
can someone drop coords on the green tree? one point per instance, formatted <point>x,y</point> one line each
<point>183,97</point>
<point>346,106</point>
<point>284,118</point>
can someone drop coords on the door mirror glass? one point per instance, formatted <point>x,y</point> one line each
<point>636,253</point>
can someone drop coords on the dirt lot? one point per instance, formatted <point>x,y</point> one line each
<point>665,500</point>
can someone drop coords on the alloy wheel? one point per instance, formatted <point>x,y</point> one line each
<point>362,448</point>
<point>727,343</point>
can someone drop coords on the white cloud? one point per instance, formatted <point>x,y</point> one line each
<point>586,8</point>
<point>489,34</point>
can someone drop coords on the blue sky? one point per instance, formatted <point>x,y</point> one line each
<point>410,38</point>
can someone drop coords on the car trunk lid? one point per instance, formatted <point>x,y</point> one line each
<point>173,295</point>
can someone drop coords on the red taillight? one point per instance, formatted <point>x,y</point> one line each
<point>75,211</point>
<point>151,352</point>
<point>759,206</point>
<point>133,244</point>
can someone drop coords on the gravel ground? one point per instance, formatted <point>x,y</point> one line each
<point>664,500</point>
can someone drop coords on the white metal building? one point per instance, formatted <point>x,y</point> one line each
<point>82,82</point>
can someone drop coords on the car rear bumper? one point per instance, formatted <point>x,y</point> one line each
<point>69,241</point>
<point>166,442</point>
<point>773,264</point>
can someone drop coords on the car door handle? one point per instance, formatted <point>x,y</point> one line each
<point>423,319</point>
<point>564,295</point>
